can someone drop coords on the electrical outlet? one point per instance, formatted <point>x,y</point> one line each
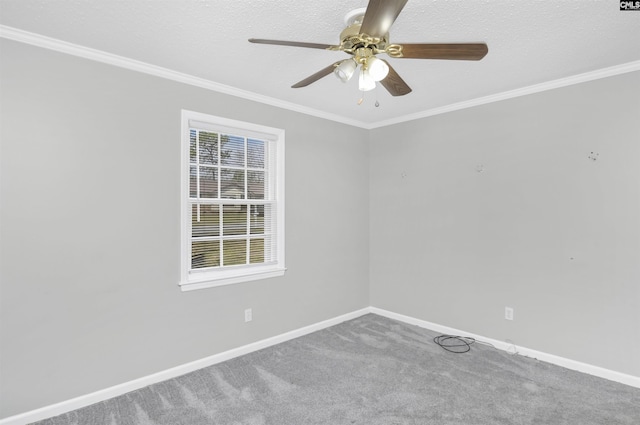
<point>248,315</point>
<point>508,313</point>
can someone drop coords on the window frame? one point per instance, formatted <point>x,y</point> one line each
<point>226,275</point>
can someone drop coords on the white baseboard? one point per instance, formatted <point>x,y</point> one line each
<point>98,396</point>
<point>633,381</point>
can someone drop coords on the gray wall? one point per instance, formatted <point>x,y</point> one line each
<point>89,225</point>
<point>542,229</point>
<point>90,229</point>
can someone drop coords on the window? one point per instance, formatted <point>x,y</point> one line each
<point>232,201</point>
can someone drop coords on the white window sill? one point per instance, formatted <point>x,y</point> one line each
<point>211,280</point>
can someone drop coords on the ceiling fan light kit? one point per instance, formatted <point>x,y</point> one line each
<point>366,82</point>
<point>377,68</point>
<point>345,70</point>
<point>367,35</point>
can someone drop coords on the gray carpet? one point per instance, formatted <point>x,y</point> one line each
<point>371,371</point>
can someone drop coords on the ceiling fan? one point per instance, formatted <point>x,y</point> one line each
<point>367,35</point>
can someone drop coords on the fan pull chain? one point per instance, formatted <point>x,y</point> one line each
<point>377,104</point>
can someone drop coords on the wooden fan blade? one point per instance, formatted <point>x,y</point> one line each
<point>291,43</point>
<point>315,77</point>
<point>394,84</point>
<point>380,15</point>
<point>468,51</point>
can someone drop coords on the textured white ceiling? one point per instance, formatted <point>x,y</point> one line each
<point>530,42</point>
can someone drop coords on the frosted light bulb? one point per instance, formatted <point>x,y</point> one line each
<point>378,69</point>
<point>365,82</point>
<point>345,70</point>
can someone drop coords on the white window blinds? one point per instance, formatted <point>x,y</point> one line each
<point>234,229</point>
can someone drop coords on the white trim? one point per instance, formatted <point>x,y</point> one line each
<point>116,390</point>
<point>536,88</point>
<point>146,68</point>
<point>219,276</point>
<point>264,273</point>
<point>633,381</point>
<point>134,65</point>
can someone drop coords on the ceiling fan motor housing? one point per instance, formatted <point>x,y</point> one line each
<point>366,34</point>
<point>351,39</point>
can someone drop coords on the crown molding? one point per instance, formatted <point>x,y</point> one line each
<point>536,88</point>
<point>134,65</point>
<point>139,66</point>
